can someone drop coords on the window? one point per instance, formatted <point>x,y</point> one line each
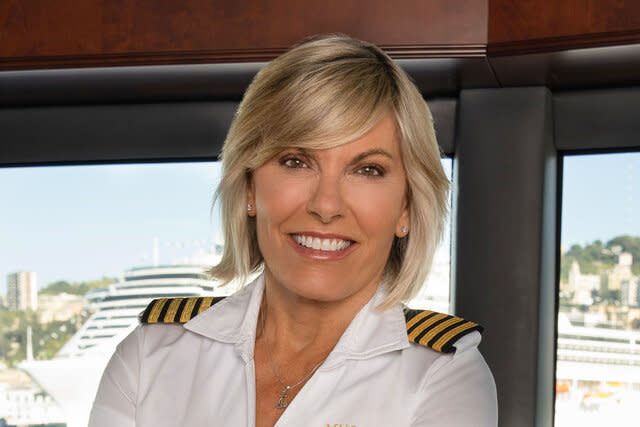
<point>97,243</point>
<point>83,250</point>
<point>436,293</point>
<point>598,348</point>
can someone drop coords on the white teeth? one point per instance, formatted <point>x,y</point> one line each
<point>343,244</point>
<point>318,244</point>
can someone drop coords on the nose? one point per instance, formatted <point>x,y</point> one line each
<point>326,202</point>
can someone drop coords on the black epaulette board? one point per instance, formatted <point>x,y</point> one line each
<point>431,329</point>
<point>437,331</point>
<point>176,310</point>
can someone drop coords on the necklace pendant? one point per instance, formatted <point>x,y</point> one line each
<point>282,402</point>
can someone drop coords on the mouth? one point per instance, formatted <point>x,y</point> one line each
<point>330,244</point>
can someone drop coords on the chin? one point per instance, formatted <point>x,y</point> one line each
<point>324,288</point>
<point>319,283</point>
<point>324,291</point>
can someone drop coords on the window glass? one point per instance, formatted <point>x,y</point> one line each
<point>436,292</point>
<point>598,349</point>
<point>83,249</point>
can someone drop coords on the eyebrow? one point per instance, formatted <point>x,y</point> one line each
<point>371,152</point>
<point>358,158</point>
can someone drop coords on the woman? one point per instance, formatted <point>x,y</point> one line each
<point>332,190</point>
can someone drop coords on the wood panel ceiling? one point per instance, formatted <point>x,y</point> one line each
<point>457,44</point>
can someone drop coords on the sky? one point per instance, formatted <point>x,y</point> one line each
<point>600,197</point>
<point>80,223</point>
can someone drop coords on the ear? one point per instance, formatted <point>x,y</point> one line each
<point>251,200</point>
<point>402,226</point>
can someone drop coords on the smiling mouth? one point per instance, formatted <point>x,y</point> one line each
<point>327,245</point>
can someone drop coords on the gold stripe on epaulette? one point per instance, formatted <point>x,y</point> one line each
<point>185,316</point>
<point>171,311</point>
<point>206,303</point>
<point>156,309</point>
<point>417,318</point>
<point>437,331</point>
<point>425,325</point>
<point>452,333</point>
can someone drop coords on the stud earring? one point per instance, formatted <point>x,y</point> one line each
<point>404,230</point>
<point>249,207</point>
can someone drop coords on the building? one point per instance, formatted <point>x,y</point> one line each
<point>26,405</point>
<point>621,278</point>
<point>583,286</point>
<point>629,292</point>
<point>621,272</point>
<point>22,291</point>
<point>60,307</point>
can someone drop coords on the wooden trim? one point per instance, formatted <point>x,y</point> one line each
<point>125,32</point>
<point>219,56</point>
<point>555,44</point>
<point>437,51</point>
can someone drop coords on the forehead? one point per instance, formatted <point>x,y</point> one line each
<point>381,139</point>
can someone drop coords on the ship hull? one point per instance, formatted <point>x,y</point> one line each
<point>71,382</point>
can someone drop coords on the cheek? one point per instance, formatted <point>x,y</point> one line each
<point>378,209</point>
<point>276,201</point>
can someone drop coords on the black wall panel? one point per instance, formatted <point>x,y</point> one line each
<point>604,119</point>
<point>128,132</point>
<point>505,229</point>
<point>104,133</point>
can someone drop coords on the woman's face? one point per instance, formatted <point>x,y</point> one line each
<point>326,219</point>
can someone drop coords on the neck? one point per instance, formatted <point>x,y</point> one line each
<point>295,324</point>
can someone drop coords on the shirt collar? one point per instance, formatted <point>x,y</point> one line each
<point>234,319</point>
<point>371,333</point>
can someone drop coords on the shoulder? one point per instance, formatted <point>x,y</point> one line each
<point>162,323</point>
<point>455,383</point>
<point>458,388</point>
<point>176,310</point>
<point>441,332</point>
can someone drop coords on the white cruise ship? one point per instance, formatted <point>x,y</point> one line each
<point>597,355</point>
<point>597,375</point>
<point>72,377</point>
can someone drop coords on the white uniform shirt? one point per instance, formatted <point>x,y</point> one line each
<point>201,374</point>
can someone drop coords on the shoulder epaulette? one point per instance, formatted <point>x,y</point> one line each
<point>176,310</point>
<point>437,331</point>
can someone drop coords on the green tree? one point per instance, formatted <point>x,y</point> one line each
<point>595,258</point>
<point>56,288</point>
<point>47,339</point>
<point>76,288</point>
<point>631,245</point>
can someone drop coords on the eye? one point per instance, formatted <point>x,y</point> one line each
<point>293,163</point>
<point>371,170</point>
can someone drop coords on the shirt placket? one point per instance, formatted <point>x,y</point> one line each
<point>250,377</point>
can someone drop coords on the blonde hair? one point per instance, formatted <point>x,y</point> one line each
<point>322,93</point>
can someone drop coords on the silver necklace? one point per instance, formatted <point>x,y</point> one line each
<point>282,401</point>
